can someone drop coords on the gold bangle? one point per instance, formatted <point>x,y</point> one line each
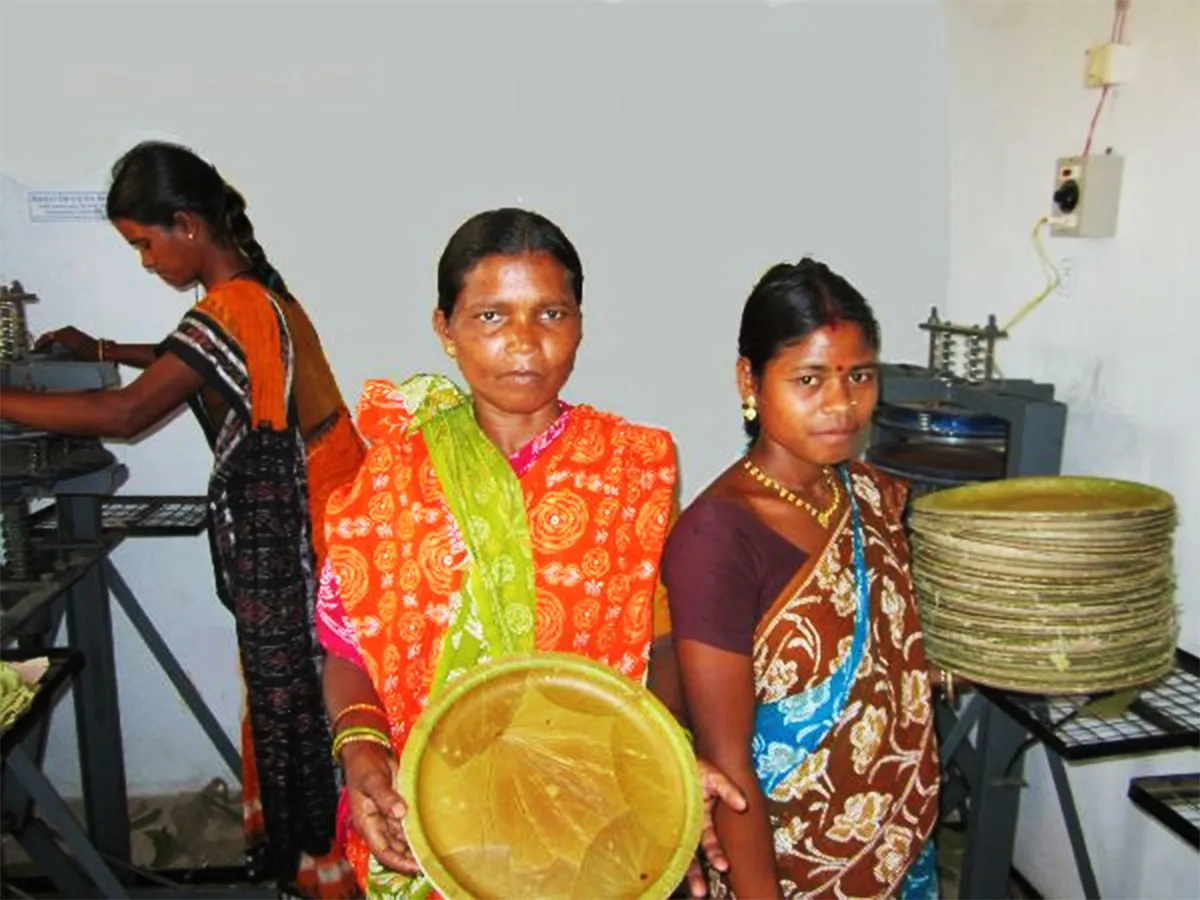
<point>359,707</point>
<point>948,686</point>
<point>357,739</point>
<point>358,731</point>
<point>357,736</point>
<point>100,350</point>
<point>361,729</point>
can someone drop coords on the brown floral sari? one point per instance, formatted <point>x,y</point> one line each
<point>844,746</point>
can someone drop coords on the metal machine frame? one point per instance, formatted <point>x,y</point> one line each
<point>1037,422</point>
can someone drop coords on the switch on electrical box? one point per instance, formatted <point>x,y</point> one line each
<point>1087,195</point>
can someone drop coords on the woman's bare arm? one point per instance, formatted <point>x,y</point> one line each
<point>124,412</point>
<point>718,686</point>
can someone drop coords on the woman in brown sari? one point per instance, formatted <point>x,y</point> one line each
<point>795,629</point>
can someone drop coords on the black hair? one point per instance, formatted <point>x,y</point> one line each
<point>502,232</point>
<point>156,180</point>
<point>790,302</point>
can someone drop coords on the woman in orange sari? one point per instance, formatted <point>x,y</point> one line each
<point>500,521</point>
<point>249,363</point>
<point>794,622</point>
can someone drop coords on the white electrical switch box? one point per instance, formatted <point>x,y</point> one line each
<point>1087,195</point>
<point>1108,64</point>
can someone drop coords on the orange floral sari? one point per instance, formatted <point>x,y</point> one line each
<point>598,499</point>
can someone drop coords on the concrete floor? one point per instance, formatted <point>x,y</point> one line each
<point>204,829</point>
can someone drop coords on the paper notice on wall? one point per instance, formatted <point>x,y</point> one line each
<point>67,206</point>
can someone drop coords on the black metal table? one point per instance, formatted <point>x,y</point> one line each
<point>129,517</point>
<point>1174,800</point>
<point>986,776</point>
<point>33,810</point>
<point>133,516</point>
<point>140,516</point>
<point>73,587</point>
<point>78,532</point>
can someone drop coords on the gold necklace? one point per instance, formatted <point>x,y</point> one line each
<point>821,515</point>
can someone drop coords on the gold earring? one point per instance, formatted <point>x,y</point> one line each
<point>749,409</point>
<point>451,351</point>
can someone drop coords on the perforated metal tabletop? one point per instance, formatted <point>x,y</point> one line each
<point>1165,716</point>
<point>144,516</point>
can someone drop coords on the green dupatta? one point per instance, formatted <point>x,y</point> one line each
<point>494,607</point>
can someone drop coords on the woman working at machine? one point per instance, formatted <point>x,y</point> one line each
<point>458,488</point>
<point>247,360</point>
<point>795,628</point>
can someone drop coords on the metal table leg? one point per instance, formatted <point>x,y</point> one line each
<point>39,843</point>
<point>174,671</point>
<point>1066,800</point>
<point>58,816</point>
<point>959,726</point>
<point>959,761</point>
<point>992,825</point>
<point>97,711</point>
<point>16,806</point>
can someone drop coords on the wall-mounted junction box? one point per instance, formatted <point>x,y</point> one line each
<point>1108,65</point>
<point>1087,196</point>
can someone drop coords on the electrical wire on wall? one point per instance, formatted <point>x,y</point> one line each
<point>1116,36</point>
<point>1053,275</point>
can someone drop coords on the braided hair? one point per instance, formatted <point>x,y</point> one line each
<point>241,233</point>
<point>156,180</point>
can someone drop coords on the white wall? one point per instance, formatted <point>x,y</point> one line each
<point>1121,347</point>
<point>684,147</point>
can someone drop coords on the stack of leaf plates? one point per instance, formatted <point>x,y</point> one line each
<point>550,776</point>
<point>1054,585</point>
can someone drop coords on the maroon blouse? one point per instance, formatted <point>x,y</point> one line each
<point>723,569</point>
